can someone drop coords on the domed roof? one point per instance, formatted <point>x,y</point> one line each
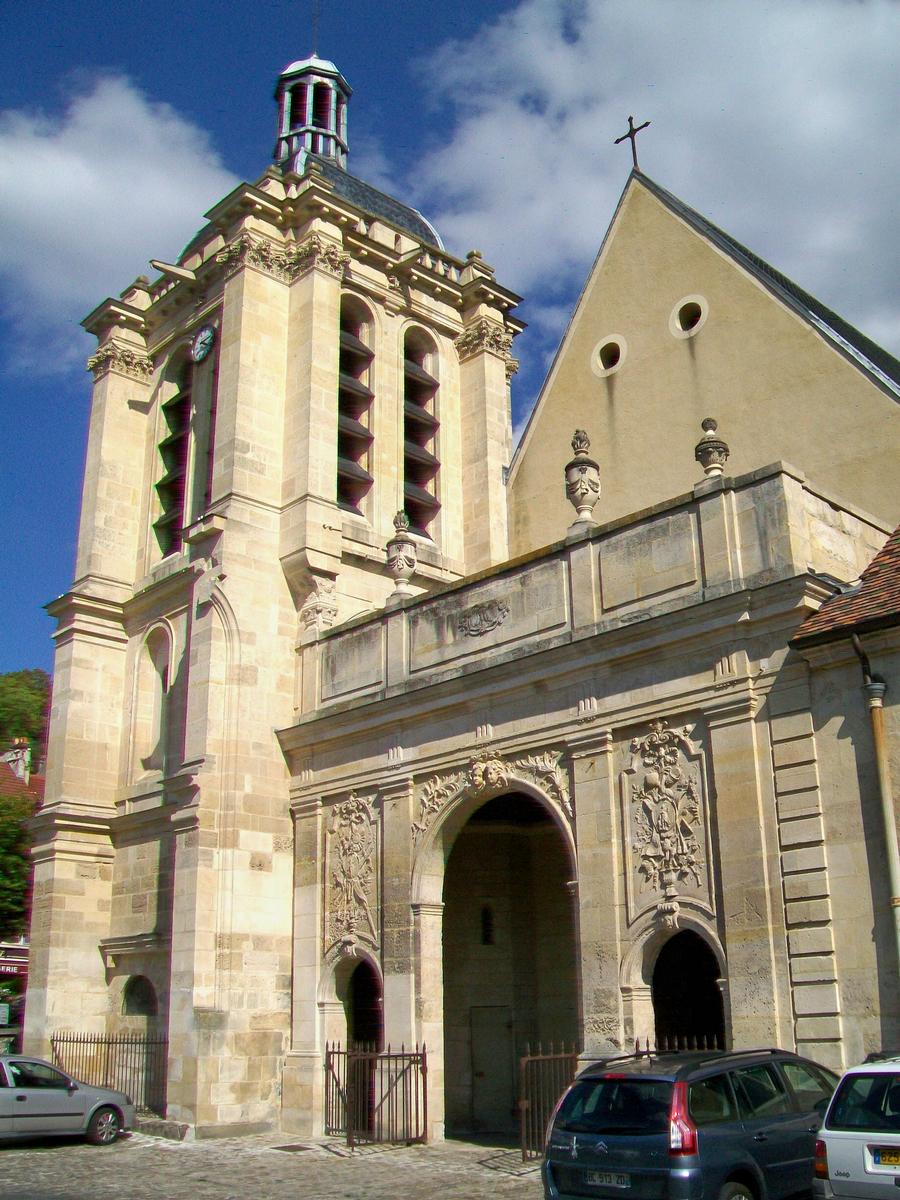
<point>313,64</point>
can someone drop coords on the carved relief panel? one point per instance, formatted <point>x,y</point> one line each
<point>665,822</point>
<point>352,885</point>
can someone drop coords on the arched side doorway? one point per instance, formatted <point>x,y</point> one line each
<point>687,999</point>
<point>510,975</point>
<point>363,1007</point>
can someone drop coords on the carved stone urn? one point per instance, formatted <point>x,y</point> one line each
<point>402,557</point>
<point>711,451</point>
<point>582,481</point>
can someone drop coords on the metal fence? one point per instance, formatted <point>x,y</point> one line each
<point>376,1096</point>
<point>132,1063</point>
<point>543,1077</point>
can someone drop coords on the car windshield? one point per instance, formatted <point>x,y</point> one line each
<point>616,1105</point>
<point>867,1102</point>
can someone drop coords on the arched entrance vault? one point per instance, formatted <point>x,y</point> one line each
<point>493,893</point>
<point>350,999</point>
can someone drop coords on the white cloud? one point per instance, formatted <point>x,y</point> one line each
<point>775,120</point>
<point>86,198</point>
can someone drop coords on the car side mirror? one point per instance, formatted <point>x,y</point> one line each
<point>72,1087</point>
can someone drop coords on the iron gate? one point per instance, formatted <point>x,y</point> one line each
<point>131,1063</point>
<point>543,1077</point>
<point>376,1095</point>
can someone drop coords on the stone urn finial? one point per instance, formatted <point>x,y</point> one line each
<point>582,481</point>
<point>711,451</point>
<point>402,557</point>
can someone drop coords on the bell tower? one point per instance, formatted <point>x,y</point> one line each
<point>312,98</point>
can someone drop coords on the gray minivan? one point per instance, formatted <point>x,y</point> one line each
<point>710,1125</point>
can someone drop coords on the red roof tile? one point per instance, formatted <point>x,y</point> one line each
<point>873,604</point>
<point>12,785</point>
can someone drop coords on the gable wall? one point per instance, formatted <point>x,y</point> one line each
<point>778,391</point>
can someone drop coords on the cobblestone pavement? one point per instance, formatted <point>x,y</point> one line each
<point>265,1167</point>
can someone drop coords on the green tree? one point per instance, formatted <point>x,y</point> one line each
<point>24,702</point>
<point>14,864</point>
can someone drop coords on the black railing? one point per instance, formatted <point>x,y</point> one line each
<point>543,1077</point>
<point>132,1063</point>
<point>376,1095</point>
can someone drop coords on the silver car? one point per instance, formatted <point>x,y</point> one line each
<point>38,1099</point>
<point>858,1149</point>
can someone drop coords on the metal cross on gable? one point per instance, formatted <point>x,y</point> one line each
<point>631,136</point>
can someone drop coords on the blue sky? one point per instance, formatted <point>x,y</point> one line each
<point>121,123</point>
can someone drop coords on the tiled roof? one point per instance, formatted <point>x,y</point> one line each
<point>849,341</point>
<point>874,603</point>
<point>12,785</point>
<point>379,204</point>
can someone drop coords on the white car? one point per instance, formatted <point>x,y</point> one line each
<point>39,1100</point>
<point>858,1147</point>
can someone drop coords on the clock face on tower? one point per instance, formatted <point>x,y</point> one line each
<point>202,343</point>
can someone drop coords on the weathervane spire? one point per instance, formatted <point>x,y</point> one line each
<point>631,136</point>
<point>316,14</point>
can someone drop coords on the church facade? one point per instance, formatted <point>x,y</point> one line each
<point>365,728</point>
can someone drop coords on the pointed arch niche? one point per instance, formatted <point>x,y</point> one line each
<point>150,735</point>
<point>498,971</point>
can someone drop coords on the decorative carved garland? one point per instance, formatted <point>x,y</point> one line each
<point>488,773</point>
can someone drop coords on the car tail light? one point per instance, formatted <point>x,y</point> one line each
<point>682,1130</point>
<point>820,1163</point>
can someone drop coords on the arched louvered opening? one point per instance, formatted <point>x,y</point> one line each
<point>420,429</point>
<point>355,405</point>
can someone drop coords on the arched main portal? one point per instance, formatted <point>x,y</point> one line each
<point>509,957</point>
<point>687,1001</point>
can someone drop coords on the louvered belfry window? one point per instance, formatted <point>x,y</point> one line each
<point>420,427</point>
<point>173,450</point>
<point>355,401</point>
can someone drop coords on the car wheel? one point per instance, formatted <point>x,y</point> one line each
<point>737,1191</point>
<point>103,1127</point>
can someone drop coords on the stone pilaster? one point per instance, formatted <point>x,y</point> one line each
<point>599,898</point>
<point>429,924</point>
<point>483,349</point>
<point>749,875</point>
<point>398,933</point>
<point>302,1087</point>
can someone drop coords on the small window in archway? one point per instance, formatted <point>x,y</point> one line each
<point>487,926</point>
<point>139,998</point>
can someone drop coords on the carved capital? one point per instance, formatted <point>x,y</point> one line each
<point>316,251</point>
<point>483,335</point>
<point>121,360</point>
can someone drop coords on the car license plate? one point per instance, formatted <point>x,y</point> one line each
<point>886,1157</point>
<point>607,1179</point>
